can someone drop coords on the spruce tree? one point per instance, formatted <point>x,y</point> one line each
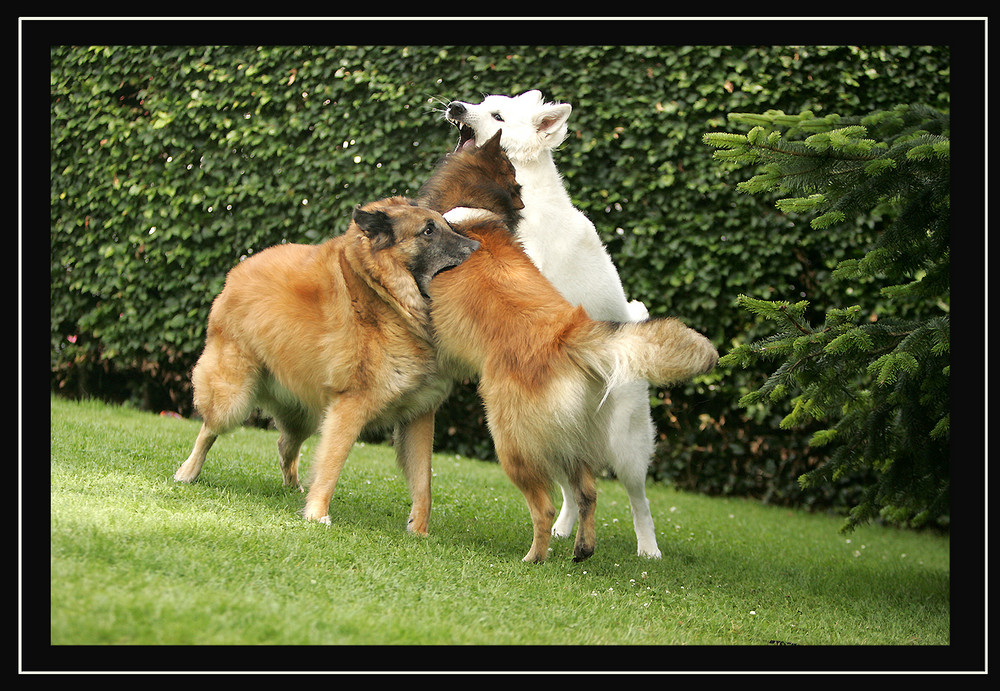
<point>874,381</point>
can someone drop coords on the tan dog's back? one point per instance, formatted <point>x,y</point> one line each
<point>289,308</point>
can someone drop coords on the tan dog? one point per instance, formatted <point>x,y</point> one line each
<point>545,368</point>
<point>333,337</point>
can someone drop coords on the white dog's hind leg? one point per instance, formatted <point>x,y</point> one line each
<point>642,520</point>
<point>563,527</point>
<point>630,441</point>
<point>642,517</point>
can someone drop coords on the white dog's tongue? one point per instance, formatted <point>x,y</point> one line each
<point>466,137</point>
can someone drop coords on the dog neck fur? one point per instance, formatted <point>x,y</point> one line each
<point>398,290</point>
<point>532,155</point>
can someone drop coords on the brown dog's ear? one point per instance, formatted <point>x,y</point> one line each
<point>493,145</point>
<point>376,225</point>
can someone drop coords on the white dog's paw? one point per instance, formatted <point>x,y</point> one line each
<point>463,214</point>
<point>651,553</point>
<point>637,311</point>
<point>563,528</point>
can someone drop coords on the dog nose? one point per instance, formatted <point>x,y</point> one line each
<point>454,109</point>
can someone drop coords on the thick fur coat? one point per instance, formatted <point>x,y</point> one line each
<point>545,367</point>
<point>565,246</point>
<point>333,338</point>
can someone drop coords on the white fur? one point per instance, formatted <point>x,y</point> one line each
<point>565,246</point>
<point>462,214</point>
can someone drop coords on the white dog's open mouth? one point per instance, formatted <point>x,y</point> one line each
<point>466,137</point>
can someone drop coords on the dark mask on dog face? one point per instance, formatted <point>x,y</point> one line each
<point>442,249</point>
<point>421,239</point>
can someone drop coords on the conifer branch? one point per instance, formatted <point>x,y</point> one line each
<point>882,387</point>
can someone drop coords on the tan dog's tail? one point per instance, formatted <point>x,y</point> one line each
<point>660,351</point>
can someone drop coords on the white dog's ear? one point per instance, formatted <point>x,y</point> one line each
<point>552,118</point>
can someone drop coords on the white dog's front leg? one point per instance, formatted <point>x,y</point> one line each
<point>637,311</point>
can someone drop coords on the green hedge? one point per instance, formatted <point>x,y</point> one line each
<point>170,164</point>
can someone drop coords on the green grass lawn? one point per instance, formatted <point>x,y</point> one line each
<point>138,559</point>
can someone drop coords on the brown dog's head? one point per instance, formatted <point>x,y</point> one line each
<point>480,177</point>
<point>412,237</point>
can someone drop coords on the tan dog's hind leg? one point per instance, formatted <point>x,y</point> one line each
<point>223,380</point>
<point>343,422</point>
<point>414,443</point>
<point>542,514</point>
<point>191,468</point>
<point>288,452</point>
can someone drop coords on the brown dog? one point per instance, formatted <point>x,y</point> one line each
<point>544,366</point>
<point>333,337</point>
<point>481,178</point>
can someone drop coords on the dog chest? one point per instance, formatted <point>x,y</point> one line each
<point>417,395</point>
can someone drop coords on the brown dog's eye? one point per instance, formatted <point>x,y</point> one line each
<point>429,228</point>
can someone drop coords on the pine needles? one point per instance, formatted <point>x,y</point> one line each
<point>875,378</point>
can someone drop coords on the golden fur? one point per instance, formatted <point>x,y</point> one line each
<point>332,337</point>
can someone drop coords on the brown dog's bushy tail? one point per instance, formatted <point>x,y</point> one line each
<point>660,351</point>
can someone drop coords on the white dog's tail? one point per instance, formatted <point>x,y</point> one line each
<point>660,351</point>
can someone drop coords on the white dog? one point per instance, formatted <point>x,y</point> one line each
<point>564,245</point>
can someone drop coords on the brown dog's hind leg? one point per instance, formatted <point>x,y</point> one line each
<point>289,444</point>
<point>535,488</point>
<point>223,380</point>
<point>585,491</point>
<point>543,512</point>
